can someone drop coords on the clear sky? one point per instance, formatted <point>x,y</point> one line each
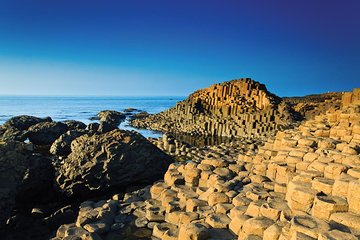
<point>171,48</point>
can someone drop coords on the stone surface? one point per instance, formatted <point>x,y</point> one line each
<point>244,106</point>
<point>62,145</point>
<point>45,133</point>
<point>113,159</point>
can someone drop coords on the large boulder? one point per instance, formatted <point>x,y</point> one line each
<point>75,125</point>
<point>113,118</point>
<point>15,129</point>
<point>14,162</point>
<point>62,145</point>
<point>37,184</point>
<point>23,122</point>
<point>45,133</point>
<point>110,160</point>
<point>12,134</point>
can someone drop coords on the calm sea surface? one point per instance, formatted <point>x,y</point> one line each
<point>82,108</point>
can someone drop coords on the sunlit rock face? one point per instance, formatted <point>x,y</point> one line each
<point>114,159</point>
<point>236,108</point>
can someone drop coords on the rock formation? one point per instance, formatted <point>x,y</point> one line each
<point>316,104</point>
<point>45,133</point>
<point>303,183</point>
<point>238,108</point>
<point>114,159</point>
<point>14,161</point>
<point>16,127</point>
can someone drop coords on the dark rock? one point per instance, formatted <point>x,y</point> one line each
<point>37,183</point>
<point>23,122</point>
<point>139,115</point>
<point>62,216</point>
<point>75,125</point>
<point>110,160</point>
<point>111,117</point>
<point>46,133</point>
<point>131,110</point>
<point>93,127</point>
<point>62,145</point>
<point>106,127</point>
<point>13,163</point>
<point>13,134</point>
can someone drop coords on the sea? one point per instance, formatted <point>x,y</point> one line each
<point>83,108</point>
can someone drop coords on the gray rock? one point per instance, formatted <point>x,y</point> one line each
<point>14,162</point>
<point>62,145</point>
<point>113,159</point>
<point>46,133</point>
<point>23,122</point>
<point>113,118</point>
<point>75,125</point>
<point>37,183</point>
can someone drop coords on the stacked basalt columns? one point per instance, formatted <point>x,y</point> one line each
<point>238,108</point>
<point>302,184</point>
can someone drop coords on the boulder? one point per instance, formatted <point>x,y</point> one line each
<point>113,159</point>
<point>13,164</point>
<point>37,184</point>
<point>23,122</point>
<point>111,117</point>
<point>12,134</point>
<point>93,127</point>
<point>46,133</point>
<point>62,145</point>
<point>75,125</point>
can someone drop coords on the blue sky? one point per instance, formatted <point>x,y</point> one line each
<point>168,47</point>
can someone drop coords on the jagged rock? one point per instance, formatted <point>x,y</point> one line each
<point>15,128</point>
<point>75,125</point>
<point>23,122</point>
<point>37,184</point>
<point>12,134</point>
<point>45,133</point>
<point>62,145</point>
<point>14,162</point>
<point>236,108</point>
<point>140,115</point>
<point>93,127</point>
<point>113,118</point>
<point>109,160</point>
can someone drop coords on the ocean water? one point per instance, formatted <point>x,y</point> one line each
<point>82,108</point>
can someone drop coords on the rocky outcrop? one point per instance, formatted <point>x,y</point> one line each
<point>14,162</point>
<point>23,122</point>
<point>75,125</point>
<point>113,159</point>
<point>303,183</point>
<point>238,108</point>
<point>62,145</point>
<point>350,98</point>
<point>113,118</point>
<point>45,133</point>
<point>315,104</point>
<point>36,186</point>
<point>15,129</point>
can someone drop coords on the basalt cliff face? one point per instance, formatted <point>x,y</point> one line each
<point>238,108</point>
